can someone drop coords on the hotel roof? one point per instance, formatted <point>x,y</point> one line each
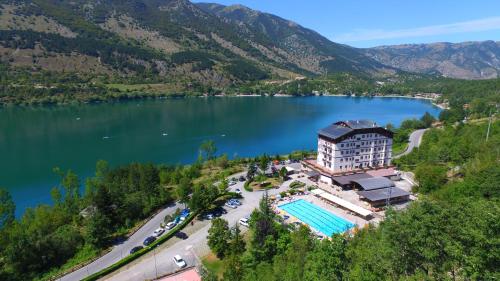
<point>383,194</point>
<point>342,128</point>
<point>374,183</point>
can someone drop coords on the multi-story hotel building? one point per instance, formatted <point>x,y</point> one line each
<point>354,144</point>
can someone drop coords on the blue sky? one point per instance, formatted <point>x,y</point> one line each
<point>367,23</point>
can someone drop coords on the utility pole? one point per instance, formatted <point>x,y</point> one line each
<point>388,200</point>
<point>489,127</point>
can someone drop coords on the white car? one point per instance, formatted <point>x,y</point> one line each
<point>244,222</point>
<point>158,232</point>
<point>170,225</point>
<point>231,183</point>
<point>179,261</point>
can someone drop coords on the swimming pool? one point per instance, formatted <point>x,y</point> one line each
<point>316,217</point>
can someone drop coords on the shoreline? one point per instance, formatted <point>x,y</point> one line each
<point>166,97</point>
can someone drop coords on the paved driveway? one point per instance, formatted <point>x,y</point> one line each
<point>195,245</point>
<point>415,140</point>
<point>122,250</point>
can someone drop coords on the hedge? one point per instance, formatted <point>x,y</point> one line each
<point>141,252</point>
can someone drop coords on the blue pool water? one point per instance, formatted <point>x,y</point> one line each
<point>317,217</point>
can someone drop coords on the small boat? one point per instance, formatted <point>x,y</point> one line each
<point>105,137</point>
<point>77,118</point>
<point>164,134</point>
<point>223,135</point>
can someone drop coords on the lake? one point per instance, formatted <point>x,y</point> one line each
<point>35,140</point>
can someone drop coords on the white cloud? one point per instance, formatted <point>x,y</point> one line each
<point>485,24</point>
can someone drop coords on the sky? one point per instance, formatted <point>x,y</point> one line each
<point>369,23</point>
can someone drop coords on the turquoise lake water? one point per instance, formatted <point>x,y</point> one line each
<point>35,140</point>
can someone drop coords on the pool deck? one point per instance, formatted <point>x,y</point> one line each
<point>359,222</point>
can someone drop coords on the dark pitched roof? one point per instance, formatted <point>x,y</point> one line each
<point>334,131</point>
<point>383,194</point>
<point>358,124</point>
<point>374,183</point>
<point>347,179</point>
<point>345,128</point>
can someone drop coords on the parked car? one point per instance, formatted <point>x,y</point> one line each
<point>235,202</point>
<point>210,216</point>
<point>230,205</point>
<point>231,183</point>
<point>181,235</point>
<point>219,212</point>
<point>179,261</point>
<point>170,225</point>
<point>242,178</point>
<point>159,232</point>
<point>149,240</point>
<point>237,190</point>
<point>244,222</point>
<point>135,249</point>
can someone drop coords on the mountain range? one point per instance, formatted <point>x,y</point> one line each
<point>206,43</point>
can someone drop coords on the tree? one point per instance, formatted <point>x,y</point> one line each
<point>183,190</point>
<point>7,208</point>
<point>283,173</point>
<point>427,119</point>
<point>223,185</point>
<point>252,170</point>
<point>290,265</point>
<point>234,269</point>
<point>264,232</point>
<point>208,149</point>
<point>218,237</point>
<point>263,163</point>
<point>327,260</point>
<point>222,161</point>
<point>430,177</point>
<point>97,230</point>
<point>236,244</point>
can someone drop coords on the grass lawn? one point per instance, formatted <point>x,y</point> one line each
<point>272,182</point>
<point>213,264</point>
<point>398,148</point>
<point>214,173</point>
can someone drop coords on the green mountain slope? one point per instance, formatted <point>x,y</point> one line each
<point>167,40</point>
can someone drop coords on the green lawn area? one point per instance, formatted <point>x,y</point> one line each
<point>398,148</point>
<point>213,264</point>
<point>267,183</point>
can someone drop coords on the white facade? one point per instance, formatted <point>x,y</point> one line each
<point>361,150</point>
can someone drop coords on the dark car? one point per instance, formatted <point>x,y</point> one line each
<point>149,240</point>
<point>135,249</point>
<point>242,178</point>
<point>181,235</point>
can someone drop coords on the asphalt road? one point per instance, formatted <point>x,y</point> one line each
<point>415,140</point>
<point>196,245</point>
<point>122,249</point>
